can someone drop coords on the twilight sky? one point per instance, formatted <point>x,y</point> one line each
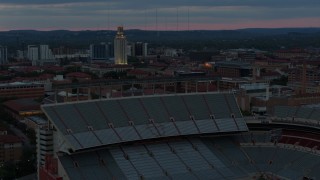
<point>157,14</point>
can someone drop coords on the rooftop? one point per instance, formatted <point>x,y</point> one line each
<point>18,105</point>
<point>9,139</point>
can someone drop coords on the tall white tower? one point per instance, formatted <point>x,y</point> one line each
<point>120,47</point>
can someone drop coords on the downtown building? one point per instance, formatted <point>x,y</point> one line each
<point>141,49</point>
<point>3,55</point>
<point>101,52</point>
<point>120,47</point>
<point>40,55</point>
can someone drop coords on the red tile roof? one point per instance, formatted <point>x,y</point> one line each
<point>137,72</point>
<point>78,75</point>
<point>9,139</point>
<point>53,68</point>
<point>18,105</point>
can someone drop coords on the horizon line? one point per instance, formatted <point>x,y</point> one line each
<point>161,30</point>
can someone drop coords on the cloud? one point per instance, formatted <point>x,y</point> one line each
<point>68,14</point>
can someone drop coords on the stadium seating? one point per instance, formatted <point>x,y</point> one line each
<point>192,158</point>
<point>140,118</point>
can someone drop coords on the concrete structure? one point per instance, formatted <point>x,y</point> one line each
<point>120,47</point>
<point>3,55</point>
<point>100,52</point>
<point>44,144</point>
<point>141,49</point>
<point>35,122</point>
<point>253,97</point>
<point>33,54</point>
<point>74,124</point>
<point>45,52</point>
<point>181,136</point>
<point>40,55</point>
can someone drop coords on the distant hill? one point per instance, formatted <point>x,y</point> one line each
<point>243,38</point>
<point>279,31</point>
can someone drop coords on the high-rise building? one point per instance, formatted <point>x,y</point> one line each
<point>3,55</point>
<point>45,52</point>
<point>145,49</point>
<point>130,49</point>
<point>40,55</point>
<point>120,47</point>
<point>33,53</point>
<point>141,49</point>
<point>100,52</point>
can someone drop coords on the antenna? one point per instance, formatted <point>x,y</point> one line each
<point>157,22</point>
<point>108,17</point>
<point>177,19</point>
<point>188,19</point>
<point>166,23</point>
<point>145,19</point>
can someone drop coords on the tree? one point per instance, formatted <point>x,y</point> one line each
<point>8,171</point>
<point>115,75</point>
<point>31,135</point>
<point>27,164</point>
<point>283,80</point>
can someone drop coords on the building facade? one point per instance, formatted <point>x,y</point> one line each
<point>10,148</point>
<point>141,49</point>
<point>3,55</point>
<point>40,55</point>
<point>33,53</point>
<point>22,90</point>
<point>120,47</point>
<point>100,52</point>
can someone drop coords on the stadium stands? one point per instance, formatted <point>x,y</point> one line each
<point>296,112</point>
<point>191,158</point>
<point>88,124</point>
<point>181,136</point>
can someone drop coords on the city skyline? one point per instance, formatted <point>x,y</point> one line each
<point>154,15</point>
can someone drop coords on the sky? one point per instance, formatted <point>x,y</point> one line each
<point>174,15</point>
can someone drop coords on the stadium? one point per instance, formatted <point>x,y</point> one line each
<point>177,136</point>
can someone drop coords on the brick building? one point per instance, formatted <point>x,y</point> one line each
<point>233,69</point>
<point>10,148</point>
<point>21,90</point>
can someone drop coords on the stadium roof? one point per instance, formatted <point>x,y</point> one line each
<point>104,122</point>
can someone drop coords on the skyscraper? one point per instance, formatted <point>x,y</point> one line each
<point>33,54</point>
<point>3,55</point>
<point>120,46</point>
<point>141,49</point>
<point>45,52</point>
<point>100,52</point>
<point>40,55</point>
